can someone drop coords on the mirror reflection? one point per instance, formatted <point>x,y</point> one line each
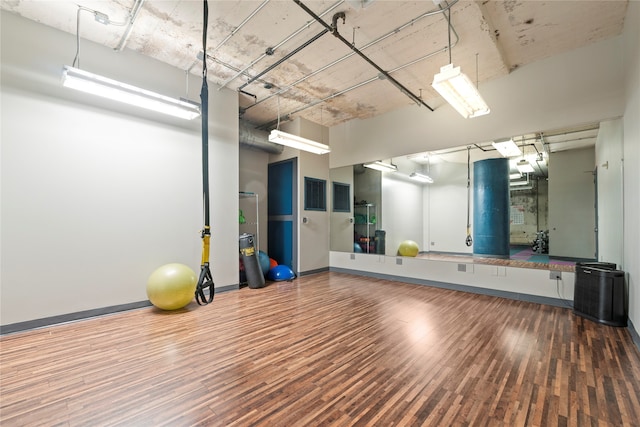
<point>431,205</point>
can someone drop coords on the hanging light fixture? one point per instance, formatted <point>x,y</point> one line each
<point>507,148</point>
<point>75,78</point>
<point>381,166</point>
<point>294,141</point>
<point>524,166</point>
<point>298,142</point>
<point>421,177</point>
<point>95,84</point>
<point>457,89</point>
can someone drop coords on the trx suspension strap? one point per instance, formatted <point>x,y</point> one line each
<point>468,241</point>
<point>205,280</point>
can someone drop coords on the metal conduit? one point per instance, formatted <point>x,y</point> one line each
<point>261,57</point>
<point>242,24</point>
<point>334,29</point>
<point>357,85</point>
<point>368,45</point>
<point>226,39</point>
<point>133,15</point>
<point>284,58</point>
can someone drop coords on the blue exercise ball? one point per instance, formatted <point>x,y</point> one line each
<point>263,259</point>
<point>281,272</point>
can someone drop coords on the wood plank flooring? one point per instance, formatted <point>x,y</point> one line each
<point>326,349</point>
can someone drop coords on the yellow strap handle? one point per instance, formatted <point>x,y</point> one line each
<point>206,238</point>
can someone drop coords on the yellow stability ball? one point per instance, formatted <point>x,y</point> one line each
<point>172,286</point>
<point>408,248</point>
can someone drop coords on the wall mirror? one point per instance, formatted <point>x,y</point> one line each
<point>423,197</point>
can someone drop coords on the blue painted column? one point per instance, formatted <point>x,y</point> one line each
<point>491,208</point>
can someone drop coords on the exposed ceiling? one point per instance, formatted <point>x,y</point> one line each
<point>407,39</point>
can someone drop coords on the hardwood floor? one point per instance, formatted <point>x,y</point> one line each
<point>326,349</point>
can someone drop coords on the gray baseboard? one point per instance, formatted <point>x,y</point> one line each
<point>70,317</point>
<point>316,271</point>
<point>634,334</point>
<point>557,302</point>
<point>86,314</point>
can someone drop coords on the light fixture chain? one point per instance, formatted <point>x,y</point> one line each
<point>278,126</point>
<point>449,33</point>
<point>76,60</point>
<point>477,79</point>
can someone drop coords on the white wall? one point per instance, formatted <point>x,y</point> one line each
<point>402,209</point>
<point>595,83</point>
<point>572,215</point>
<point>610,203</point>
<point>253,173</point>
<point>97,195</point>
<point>313,235</point>
<point>489,277</point>
<point>341,223</point>
<point>447,207</point>
<point>581,86</point>
<point>632,159</point>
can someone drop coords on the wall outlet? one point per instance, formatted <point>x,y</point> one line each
<point>398,261</point>
<point>555,275</point>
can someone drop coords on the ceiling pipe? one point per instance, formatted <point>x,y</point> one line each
<point>287,116</point>
<point>334,30</point>
<point>242,24</point>
<point>133,15</point>
<point>250,137</point>
<point>284,58</point>
<point>273,49</point>
<point>366,46</point>
<point>224,41</point>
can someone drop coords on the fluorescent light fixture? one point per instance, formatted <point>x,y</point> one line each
<point>524,166</point>
<point>75,78</point>
<point>298,142</point>
<point>507,148</point>
<point>459,91</point>
<point>381,166</point>
<point>522,187</point>
<point>515,176</point>
<point>525,180</point>
<point>421,177</point>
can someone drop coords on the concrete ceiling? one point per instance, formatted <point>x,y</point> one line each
<point>409,37</point>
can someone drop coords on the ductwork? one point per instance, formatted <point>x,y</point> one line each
<point>253,138</point>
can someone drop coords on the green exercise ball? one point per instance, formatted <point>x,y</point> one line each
<point>172,286</point>
<point>408,248</point>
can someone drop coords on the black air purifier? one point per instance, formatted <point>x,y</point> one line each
<point>599,293</point>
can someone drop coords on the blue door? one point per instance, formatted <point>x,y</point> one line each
<point>282,201</point>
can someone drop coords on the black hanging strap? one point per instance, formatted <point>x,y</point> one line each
<point>468,241</point>
<point>205,280</point>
